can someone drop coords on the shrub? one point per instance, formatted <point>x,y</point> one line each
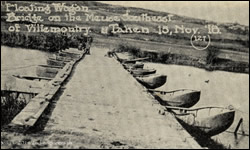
<point>212,53</point>
<point>10,107</point>
<point>128,48</point>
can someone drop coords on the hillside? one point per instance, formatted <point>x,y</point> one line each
<point>232,37</point>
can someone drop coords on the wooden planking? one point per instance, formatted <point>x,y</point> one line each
<point>35,108</point>
<point>30,114</point>
<point>26,90</point>
<point>32,120</point>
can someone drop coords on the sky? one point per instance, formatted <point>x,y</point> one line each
<point>218,11</point>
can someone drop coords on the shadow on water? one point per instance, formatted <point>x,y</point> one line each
<point>201,138</point>
<point>209,143</point>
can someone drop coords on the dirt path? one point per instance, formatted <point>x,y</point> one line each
<point>104,107</point>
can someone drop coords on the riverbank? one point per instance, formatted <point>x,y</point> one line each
<point>211,62</point>
<point>210,59</point>
<point>103,106</point>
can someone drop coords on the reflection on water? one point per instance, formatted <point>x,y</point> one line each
<point>218,88</point>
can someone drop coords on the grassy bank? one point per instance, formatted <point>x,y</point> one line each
<point>210,63</point>
<point>234,36</point>
<point>10,107</point>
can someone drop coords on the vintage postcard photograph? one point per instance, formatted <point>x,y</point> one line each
<point>125,74</point>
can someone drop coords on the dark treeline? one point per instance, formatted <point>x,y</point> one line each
<point>51,42</point>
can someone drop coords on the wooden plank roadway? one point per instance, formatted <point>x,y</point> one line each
<point>104,104</point>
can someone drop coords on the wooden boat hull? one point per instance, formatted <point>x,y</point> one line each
<point>152,82</point>
<point>61,58</point>
<point>54,62</point>
<point>186,99</point>
<point>46,72</point>
<point>132,60</point>
<point>71,55</point>
<point>73,51</point>
<point>133,66</point>
<point>208,126</point>
<point>26,77</point>
<point>140,71</point>
<point>121,56</point>
<point>128,61</point>
<point>14,84</point>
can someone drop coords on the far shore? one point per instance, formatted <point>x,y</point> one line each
<point>159,52</point>
<point>180,55</point>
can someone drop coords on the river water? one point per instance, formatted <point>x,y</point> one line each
<point>18,61</point>
<point>21,61</point>
<point>218,88</point>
